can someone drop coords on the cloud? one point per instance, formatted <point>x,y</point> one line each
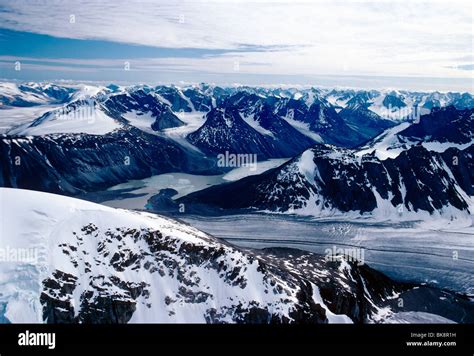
<point>396,38</point>
<point>466,66</point>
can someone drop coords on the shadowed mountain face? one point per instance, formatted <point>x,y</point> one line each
<point>393,101</point>
<point>365,122</point>
<point>321,118</point>
<point>447,125</point>
<point>224,130</point>
<point>76,163</point>
<point>287,140</point>
<point>143,103</point>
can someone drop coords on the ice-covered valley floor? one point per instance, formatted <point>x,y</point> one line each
<point>422,252</point>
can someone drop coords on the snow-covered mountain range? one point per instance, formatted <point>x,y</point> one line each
<point>351,152</point>
<point>87,137</point>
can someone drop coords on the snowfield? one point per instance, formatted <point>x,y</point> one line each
<point>87,119</point>
<point>12,118</point>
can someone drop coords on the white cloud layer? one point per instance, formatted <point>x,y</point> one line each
<point>399,38</point>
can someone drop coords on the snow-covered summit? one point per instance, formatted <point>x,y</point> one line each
<point>90,263</point>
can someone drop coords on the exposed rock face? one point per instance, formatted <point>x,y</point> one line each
<point>101,265</point>
<point>393,101</point>
<point>175,98</point>
<point>321,119</point>
<point>132,123</point>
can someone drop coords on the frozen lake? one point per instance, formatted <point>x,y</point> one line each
<point>134,194</point>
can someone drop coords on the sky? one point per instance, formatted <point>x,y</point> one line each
<point>410,44</point>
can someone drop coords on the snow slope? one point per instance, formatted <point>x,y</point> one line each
<point>79,117</point>
<point>386,145</point>
<point>90,263</point>
<point>303,128</point>
<point>140,120</point>
<point>14,117</point>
